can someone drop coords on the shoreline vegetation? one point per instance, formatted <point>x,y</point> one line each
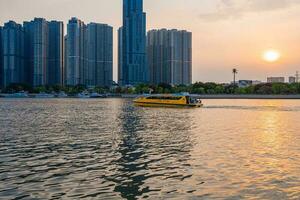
<point>203,90</point>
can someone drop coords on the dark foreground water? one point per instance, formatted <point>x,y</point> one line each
<point>109,149</point>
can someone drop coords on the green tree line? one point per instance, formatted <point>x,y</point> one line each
<point>196,88</point>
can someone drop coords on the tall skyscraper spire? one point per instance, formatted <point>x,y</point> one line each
<point>134,67</point>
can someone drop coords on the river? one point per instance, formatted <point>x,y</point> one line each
<point>110,149</point>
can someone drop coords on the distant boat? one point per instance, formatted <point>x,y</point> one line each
<point>21,94</point>
<point>171,100</point>
<point>97,95</point>
<point>44,95</point>
<point>62,95</point>
<point>83,95</point>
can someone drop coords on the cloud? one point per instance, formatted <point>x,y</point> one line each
<point>231,9</point>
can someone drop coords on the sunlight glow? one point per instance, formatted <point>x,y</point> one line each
<point>271,55</point>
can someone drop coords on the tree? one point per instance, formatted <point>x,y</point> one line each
<point>234,71</point>
<point>265,89</point>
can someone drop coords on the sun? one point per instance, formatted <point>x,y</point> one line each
<point>271,55</point>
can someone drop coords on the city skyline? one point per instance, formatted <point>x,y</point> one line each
<point>227,34</point>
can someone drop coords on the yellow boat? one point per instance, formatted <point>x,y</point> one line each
<point>171,100</point>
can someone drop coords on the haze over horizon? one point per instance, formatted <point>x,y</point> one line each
<point>226,33</point>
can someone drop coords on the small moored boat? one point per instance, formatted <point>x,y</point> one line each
<point>95,95</point>
<point>21,94</point>
<point>172,100</point>
<point>45,95</point>
<point>83,95</point>
<point>62,95</point>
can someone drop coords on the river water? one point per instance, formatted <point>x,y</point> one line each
<point>109,149</point>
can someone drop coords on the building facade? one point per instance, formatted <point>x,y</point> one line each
<point>170,56</point>
<point>39,54</point>
<point>44,52</point>
<point>245,83</point>
<point>1,59</point>
<point>76,52</point>
<point>99,69</point>
<point>13,54</point>
<point>134,65</point>
<point>275,79</point>
<point>120,56</point>
<point>37,42</point>
<point>55,53</point>
<point>65,61</point>
<point>292,79</point>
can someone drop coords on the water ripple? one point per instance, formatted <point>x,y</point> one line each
<point>109,149</point>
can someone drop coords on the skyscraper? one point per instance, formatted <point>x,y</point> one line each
<point>56,53</point>
<point>13,53</point>
<point>37,45</point>
<point>65,61</point>
<point>120,56</point>
<point>44,52</point>
<point>134,66</point>
<point>170,56</point>
<point>76,52</point>
<point>99,69</point>
<point>1,59</point>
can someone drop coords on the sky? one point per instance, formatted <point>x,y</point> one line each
<point>226,33</point>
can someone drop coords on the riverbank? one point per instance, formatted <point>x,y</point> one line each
<point>248,96</point>
<point>219,96</point>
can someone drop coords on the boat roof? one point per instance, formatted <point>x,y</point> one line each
<point>167,95</point>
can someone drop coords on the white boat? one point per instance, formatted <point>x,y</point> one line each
<point>44,95</point>
<point>62,95</point>
<point>20,94</point>
<point>97,95</point>
<point>83,95</point>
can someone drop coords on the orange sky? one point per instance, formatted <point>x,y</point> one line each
<point>226,33</point>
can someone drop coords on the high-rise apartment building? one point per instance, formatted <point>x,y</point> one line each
<point>13,53</point>
<point>75,52</point>
<point>99,69</point>
<point>1,59</point>
<point>65,61</point>
<point>37,44</point>
<point>55,53</point>
<point>170,56</point>
<point>89,54</point>
<point>120,56</point>
<point>44,52</point>
<point>134,67</point>
<point>39,54</point>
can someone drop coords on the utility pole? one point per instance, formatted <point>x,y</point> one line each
<point>297,77</point>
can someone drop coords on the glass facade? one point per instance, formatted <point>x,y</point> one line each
<point>37,53</point>
<point>44,52</point>
<point>134,67</point>
<point>38,43</point>
<point>55,53</point>
<point>1,59</point>
<point>13,54</point>
<point>99,71</point>
<point>120,56</point>
<point>75,52</point>
<point>89,54</point>
<point>170,56</point>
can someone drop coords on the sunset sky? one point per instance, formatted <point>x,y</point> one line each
<point>226,33</point>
